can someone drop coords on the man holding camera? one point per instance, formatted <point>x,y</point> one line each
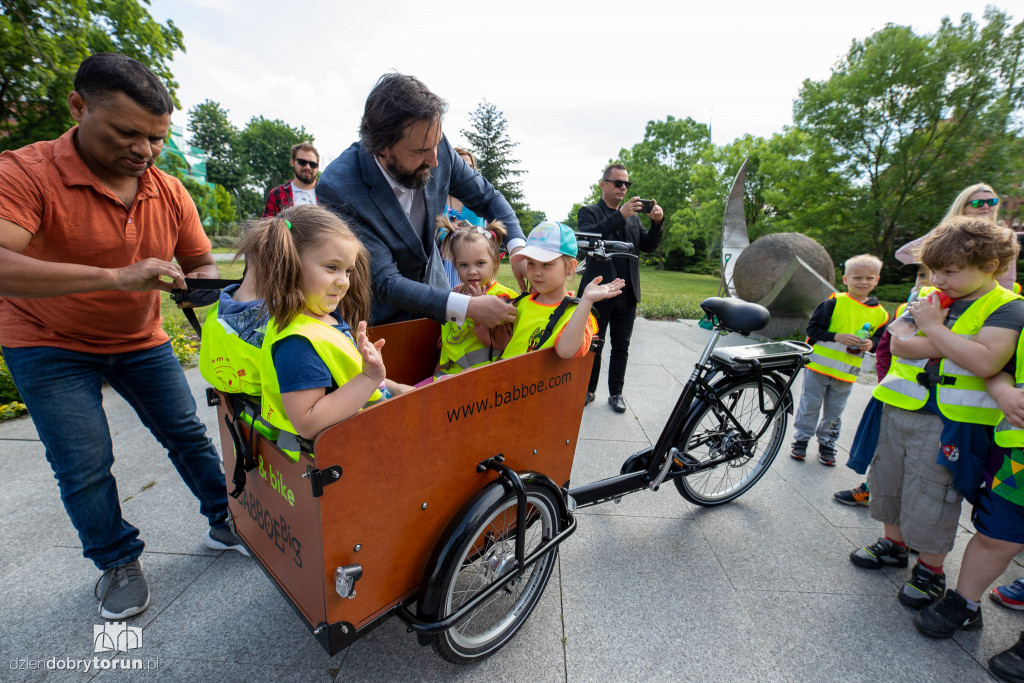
<point>616,219</point>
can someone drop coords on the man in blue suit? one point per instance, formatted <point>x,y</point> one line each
<point>391,185</point>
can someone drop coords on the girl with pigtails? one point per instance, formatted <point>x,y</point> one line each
<point>314,277</point>
<point>475,252</point>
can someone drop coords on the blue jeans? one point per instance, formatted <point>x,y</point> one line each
<point>62,390</point>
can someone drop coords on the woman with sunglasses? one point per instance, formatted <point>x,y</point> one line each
<point>976,200</point>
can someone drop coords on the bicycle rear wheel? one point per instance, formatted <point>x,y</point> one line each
<point>710,436</point>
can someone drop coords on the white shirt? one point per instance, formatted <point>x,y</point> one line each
<point>300,196</point>
<point>413,205</point>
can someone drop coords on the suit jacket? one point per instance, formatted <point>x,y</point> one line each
<point>596,218</point>
<point>354,187</point>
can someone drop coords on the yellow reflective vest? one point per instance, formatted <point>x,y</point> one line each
<point>225,361</point>
<point>460,347</point>
<point>961,396</point>
<point>531,321</point>
<point>848,317</point>
<point>335,349</point>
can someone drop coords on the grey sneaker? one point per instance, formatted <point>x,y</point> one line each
<point>882,553</point>
<point>122,591</point>
<point>923,589</point>
<point>224,539</point>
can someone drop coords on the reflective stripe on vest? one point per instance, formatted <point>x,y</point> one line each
<point>225,361</point>
<point>966,399</point>
<point>460,347</point>
<point>335,349</point>
<point>848,317</point>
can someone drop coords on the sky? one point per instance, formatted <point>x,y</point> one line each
<point>577,81</point>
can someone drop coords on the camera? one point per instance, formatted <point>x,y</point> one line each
<point>646,205</point>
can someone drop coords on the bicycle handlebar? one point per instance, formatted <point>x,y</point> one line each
<point>594,246</point>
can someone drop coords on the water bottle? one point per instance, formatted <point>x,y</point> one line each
<point>905,327</point>
<point>863,333</point>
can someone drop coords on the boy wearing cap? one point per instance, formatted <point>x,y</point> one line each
<point>548,316</point>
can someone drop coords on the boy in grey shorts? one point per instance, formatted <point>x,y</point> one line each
<point>936,404</point>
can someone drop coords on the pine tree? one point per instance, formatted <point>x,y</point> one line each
<point>489,141</point>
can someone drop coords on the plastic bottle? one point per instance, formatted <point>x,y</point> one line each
<point>905,327</point>
<point>863,333</point>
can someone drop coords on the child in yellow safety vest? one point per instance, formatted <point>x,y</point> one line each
<point>549,316</point>
<point>936,421</point>
<point>314,276</point>
<point>836,356</point>
<point>475,252</point>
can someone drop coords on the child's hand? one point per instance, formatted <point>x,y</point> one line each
<point>1011,402</point>
<point>595,291</point>
<point>928,311</point>
<point>373,363</point>
<point>849,339</point>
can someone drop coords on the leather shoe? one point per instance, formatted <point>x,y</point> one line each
<point>590,398</point>
<point>617,403</point>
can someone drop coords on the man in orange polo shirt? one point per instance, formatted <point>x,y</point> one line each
<point>87,233</point>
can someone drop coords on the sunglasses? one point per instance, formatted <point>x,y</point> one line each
<point>619,183</point>
<point>311,164</point>
<point>978,203</point>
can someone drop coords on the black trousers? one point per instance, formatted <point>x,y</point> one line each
<point>616,315</point>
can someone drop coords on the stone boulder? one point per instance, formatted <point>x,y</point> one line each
<point>761,265</point>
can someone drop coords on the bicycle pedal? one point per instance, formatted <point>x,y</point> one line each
<point>683,459</point>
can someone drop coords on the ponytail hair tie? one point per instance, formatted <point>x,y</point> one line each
<point>443,233</point>
<point>494,235</point>
<point>288,224</point>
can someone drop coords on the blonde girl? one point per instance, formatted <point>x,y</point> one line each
<point>475,253</point>
<point>314,277</point>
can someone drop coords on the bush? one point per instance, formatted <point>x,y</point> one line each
<point>669,310</point>
<point>895,292</point>
<point>10,399</point>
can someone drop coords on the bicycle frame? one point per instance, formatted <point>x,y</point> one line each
<point>699,388</point>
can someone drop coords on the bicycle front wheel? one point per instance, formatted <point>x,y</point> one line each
<point>486,554</point>
<point>711,438</point>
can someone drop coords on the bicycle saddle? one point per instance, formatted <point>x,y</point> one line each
<point>736,315</point>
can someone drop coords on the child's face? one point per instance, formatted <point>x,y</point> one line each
<point>325,274</point>
<point>548,277</point>
<point>860,279</point>
<point>923,277</point>
<point>474,263</point>
<point>963,282</point>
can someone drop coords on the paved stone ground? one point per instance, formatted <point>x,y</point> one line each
<point>652,588</point>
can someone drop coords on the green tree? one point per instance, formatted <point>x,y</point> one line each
<point>904,123</point>
<point>489,140</point>
<point>213,131</point>
<point>42,42</point>
<point>267,144</point>
<point>216,206</point>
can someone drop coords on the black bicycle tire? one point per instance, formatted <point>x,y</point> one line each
<point>457,647</point>
<point>687,486</point>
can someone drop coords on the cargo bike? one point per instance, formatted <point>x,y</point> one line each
<point>445,506</point>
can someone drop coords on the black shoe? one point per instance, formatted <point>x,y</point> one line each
<point>827,458</point>
<point>947,616</point>
<point>617,403</point>
<point>1009,664</point>
<point>590,398</point>
<point>799,450</point>
<point>883,553</point>
<point>923,589</point>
